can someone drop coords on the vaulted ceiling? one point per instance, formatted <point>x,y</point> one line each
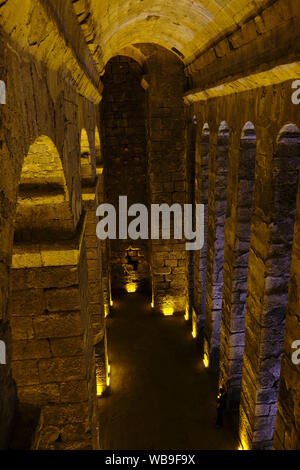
<point>186,25</point>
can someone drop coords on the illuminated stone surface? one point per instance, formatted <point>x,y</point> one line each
<point>168,75</point>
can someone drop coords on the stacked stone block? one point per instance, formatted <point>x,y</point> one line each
<point>53,358</point>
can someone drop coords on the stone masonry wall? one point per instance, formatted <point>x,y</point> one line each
<point>38,102</point>
<point>269,109</point>
<point>237,235</point>
<point>167,173</point>
<point>125,164</point>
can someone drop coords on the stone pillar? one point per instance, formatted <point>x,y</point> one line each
<point>104,245</point>
<point>201,197</point>
<point>167,173</point>
<point>53,355</point>
<point>272,232</point>
<point>90,196</point>
<point>215,242</point>
<point>287,429</point>
<point>237,235</point>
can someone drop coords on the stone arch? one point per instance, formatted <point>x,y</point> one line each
<point>236,271</point>
<point>133,52</point>
<point>265,328</point>
<point>217,200</point>
<point>43,206</point>
<point>86,168</point>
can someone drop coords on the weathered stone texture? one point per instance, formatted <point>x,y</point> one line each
<point>125,164</point>
<point>167,173</point>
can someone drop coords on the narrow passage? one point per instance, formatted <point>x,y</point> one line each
<point>161,395</point>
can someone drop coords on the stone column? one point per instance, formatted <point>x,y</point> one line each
<point>237,235</point>
<point>167,173</point>
<point>201,192</point>
<point>215,242</point>
<point>90,196</point>
<point>53,355</point>
<point>287,429</point>
<point>272,229</point>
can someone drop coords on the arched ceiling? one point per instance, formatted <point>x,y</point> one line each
<point>186,25</point>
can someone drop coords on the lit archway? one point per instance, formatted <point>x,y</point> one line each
<point>43,205</point>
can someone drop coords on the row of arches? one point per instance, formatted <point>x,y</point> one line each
<point>43,208</point>
<point>56,306</point>
<point>241,312</point>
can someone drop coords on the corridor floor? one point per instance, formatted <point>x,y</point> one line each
<point>161,396</point>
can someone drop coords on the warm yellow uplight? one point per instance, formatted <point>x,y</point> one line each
<point>243,445</point>
<point>108,375</point>
<point>100,390</point>
<point>168,311</point>
<point>152,304</point>
<point>187,315</point>
<point>131,288</point>
<point>106,310</point>
<point>206,360</point>
<point>111,303</point>
<point>194,325</point>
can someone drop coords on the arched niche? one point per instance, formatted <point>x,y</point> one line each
<point>43,206</point>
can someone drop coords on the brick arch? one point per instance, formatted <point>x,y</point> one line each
<point>43,204</point>
<point>133,52</point>
<point>188,28</point>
